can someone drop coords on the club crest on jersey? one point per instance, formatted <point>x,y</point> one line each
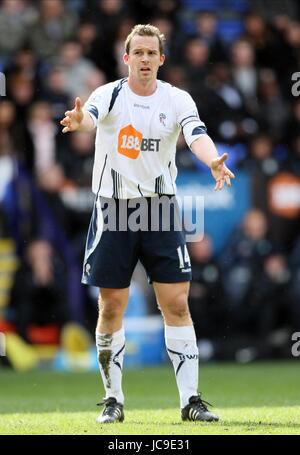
<point>162,118</point>
<point>87,269</point>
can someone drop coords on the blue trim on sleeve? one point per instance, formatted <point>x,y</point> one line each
<point>115,93</point>
<point>199,130</point>
<point>94,111</point>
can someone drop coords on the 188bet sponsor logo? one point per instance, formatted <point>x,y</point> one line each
<point>131,143</point>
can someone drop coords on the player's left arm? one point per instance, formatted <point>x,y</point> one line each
<point>196,137</point>
<point>205,150</point>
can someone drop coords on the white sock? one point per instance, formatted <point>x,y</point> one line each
<point>110,350</point>
<point>183,351</point>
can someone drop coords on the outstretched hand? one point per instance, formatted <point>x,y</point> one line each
<point>220,172</point>
<point>72,119</point>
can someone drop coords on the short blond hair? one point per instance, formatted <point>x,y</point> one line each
<point>145,30</point>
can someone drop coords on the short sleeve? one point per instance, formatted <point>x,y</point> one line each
<point>188,118</point>
<point>98,103</point>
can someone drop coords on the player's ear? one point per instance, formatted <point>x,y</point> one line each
<point>162,59</point>
<point>125,58</point>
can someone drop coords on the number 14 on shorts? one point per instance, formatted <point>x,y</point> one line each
<point>184,258</point>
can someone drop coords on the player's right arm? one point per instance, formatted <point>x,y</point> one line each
<point>77,119</point>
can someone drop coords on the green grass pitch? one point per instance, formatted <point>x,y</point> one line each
<point>259,398</point>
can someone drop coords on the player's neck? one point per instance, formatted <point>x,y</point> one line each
<point>142,89</point>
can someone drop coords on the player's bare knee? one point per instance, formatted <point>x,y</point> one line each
<point>179,307</point>
<point>110,309</point>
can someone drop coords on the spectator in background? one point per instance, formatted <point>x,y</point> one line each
<point>64,182</point>
<point>280,22</point>
<point>76,5</point>
<point>274,190</point>
<point>38,296</point>
<point>176,75</point>
<point>196,54</point>
<point>54,93</point>
<point>4,231</point>
<point>166,26</point>
<point>50,182</point>
<point>78,161</point>
<point>24,63</point>
<point>77,164</point>
<point>292,127</point>
<point>7,117</point>
<point>286,62</point>
<point>104,50</point>
<point>15,135</point>
<point>206,298</point>
<point>244,72</point>
<point>294,162</point>
<point>16,19</point>
<point>292,36</point>
<point>262,39</point>
<point>224,108</point>
<point>43,133</point>
<point>86,36</point>
<point>271,302</point>
<point>273,8</point>
<point>55,25</point>
<point>262,165</point>
<point>125,26</point>
<point>174,38</point>
<point>295,284</point>
<point>145,11</point>
<point>96,78</point>
<point>273,108</point>
<point>284,208</point>
<point>241,263</point>
<point>21,92</point>
<point>7,151</point>
<point>286,30</point>
<point>77,69</point>
<point>206,26</point>
<point>108,13</point>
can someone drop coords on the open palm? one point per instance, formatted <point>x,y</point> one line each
<point>73,119</point>
<point>220,172</point>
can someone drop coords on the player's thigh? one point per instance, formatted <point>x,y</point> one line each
<point>164,256</point>
<point>163,251</point>
<point>111,250</point>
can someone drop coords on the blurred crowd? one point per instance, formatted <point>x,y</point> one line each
<point>236,58</point>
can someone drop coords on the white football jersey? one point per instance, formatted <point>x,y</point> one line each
<point>136,138</point>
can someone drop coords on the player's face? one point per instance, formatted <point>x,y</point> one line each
<point>144,58</point>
